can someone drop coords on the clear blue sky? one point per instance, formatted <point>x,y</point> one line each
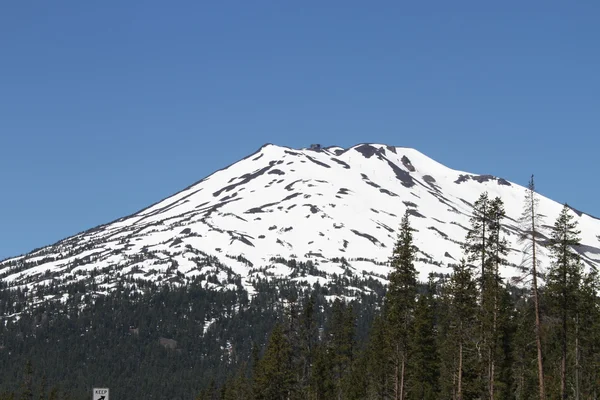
<point>109,106</point>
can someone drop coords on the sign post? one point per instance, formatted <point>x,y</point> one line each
<point>100,394</point>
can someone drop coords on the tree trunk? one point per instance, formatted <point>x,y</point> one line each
<point>460,367</point>
<point>521,388</point>
<point>483,258</point>
<point>397,374</point>
<point>563,363</point>
<point>538,337</point>
<point>492,348</point>
<point>492,365</point>
<point>454,379</point>
<point>577,389</point>
<point>402,378</point>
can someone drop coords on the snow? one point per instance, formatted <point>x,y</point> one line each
<point>301,205</point>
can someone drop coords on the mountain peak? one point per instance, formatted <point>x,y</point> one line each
<point>335,208</point>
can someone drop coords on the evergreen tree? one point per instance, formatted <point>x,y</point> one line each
<point>357,381</point>
<point>492,291</point>
<point>43,387</point>
<point>377,355</point>
<point>531,222</point>
<point>485,244</point>
<point>505,385</point>
<point>461,339</point>
<point>477,249</point>
<point>210,393</point>
<point>237,388</point>
<point>400,303</point>
<point>589,312</point>
<point>293,334</point>
<point>254,359</point>
<point>27,390</point>
<point>476,243</point>
<point>308,341</point>
<point>322,383</point>
<point>341,343</point>
<point>526,375</point>
<point>425,358</point>
<point>274,378</point>
<point>563,284</point>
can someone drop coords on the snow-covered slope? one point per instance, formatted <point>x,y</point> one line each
<point>322,205</point>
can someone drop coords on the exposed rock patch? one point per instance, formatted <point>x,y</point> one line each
<point>245,179</point>
<point>481,179</point>
<point>372,239</point>
<point>389,193</point>
<point>402,175</point>
<point>407,164</point>
<point>366,150</point>
<point>345,165</point>
<point>322,164</point>
<point>415,213</point>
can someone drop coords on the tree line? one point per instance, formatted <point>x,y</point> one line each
<point>148,340</point>
<point>470,335</point>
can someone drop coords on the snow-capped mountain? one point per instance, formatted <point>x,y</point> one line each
<point>337,208</point>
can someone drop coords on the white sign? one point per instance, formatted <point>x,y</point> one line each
<point>100,394</point>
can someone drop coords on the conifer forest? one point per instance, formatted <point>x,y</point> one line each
<point>466,335</point>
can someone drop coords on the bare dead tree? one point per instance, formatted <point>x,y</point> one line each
<point>530,223</point>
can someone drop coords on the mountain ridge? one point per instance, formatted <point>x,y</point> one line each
<point>240,224</point>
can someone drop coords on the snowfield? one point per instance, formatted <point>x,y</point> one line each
<point>242,222</point>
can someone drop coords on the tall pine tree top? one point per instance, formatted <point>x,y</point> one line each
<point>565,235</point>
<point>403,275</point>
<point>565,273</point>
<point>475,245</point>
<point>402,287</point>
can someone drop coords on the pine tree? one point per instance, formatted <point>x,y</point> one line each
<point>43,388</point>
<point>425,358</point>
<point>506,331</point>
<point>357,381</point>
<point>462,296</point>
<point>400,303</point>
<point>477,249</point>
<point>531,222</point>
<point>209,393</point>
<point>590,334</point>
<point>476,244</point>
<point>274,379</point>
<point>377,354</point>
<point>237,388</point>
<point>53,393</point>
<point>27,391</point>
<point>322,386</point>
<point>308,341</point>
<point>563,282</point>
<point>498,249</point>
<point>341,343</point>
<point>293,334</point>
<point>485,244</point>
<point>526,376</point>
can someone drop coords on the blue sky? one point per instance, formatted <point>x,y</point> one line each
<point>107,107</point>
